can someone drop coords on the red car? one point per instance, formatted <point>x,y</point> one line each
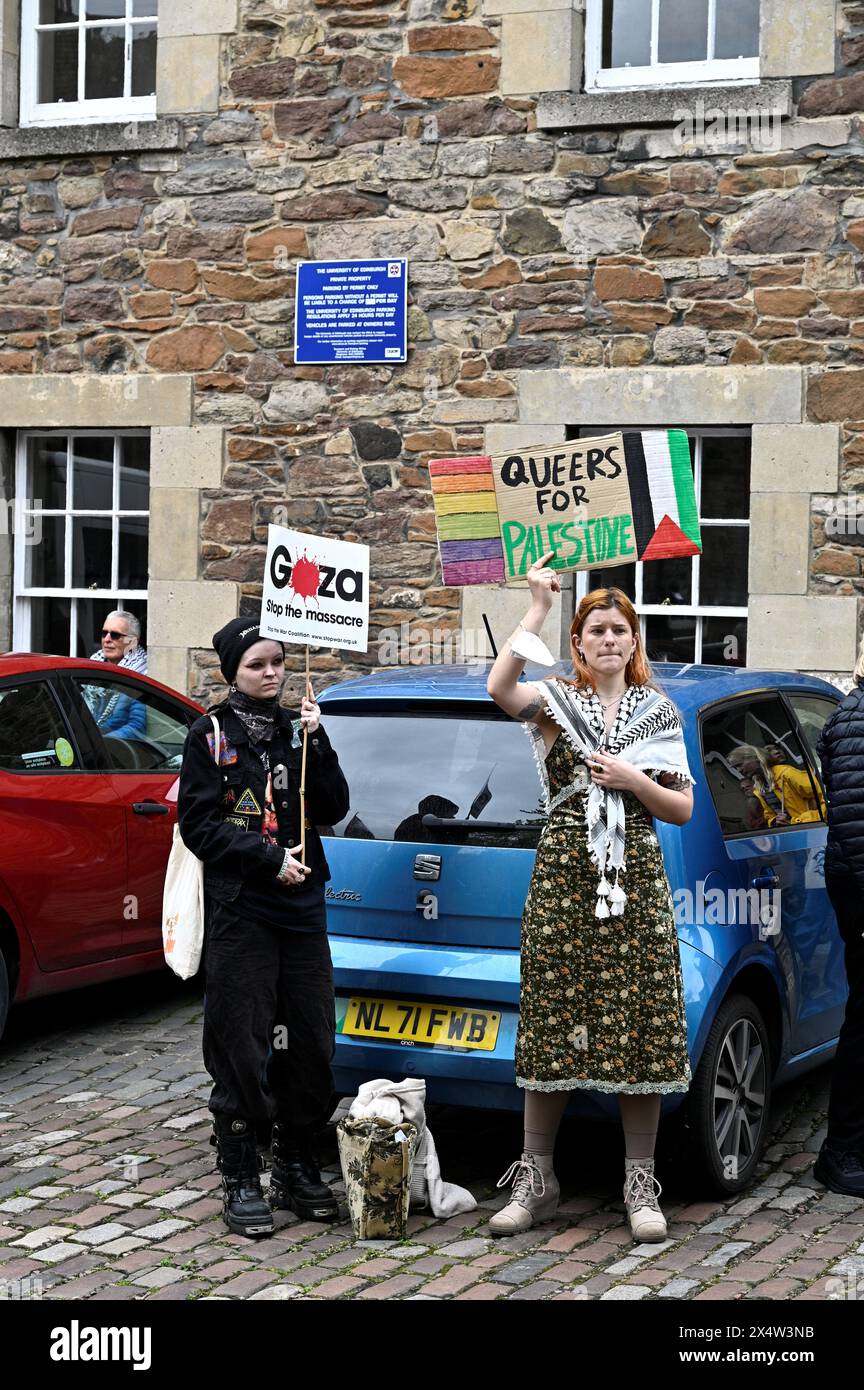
<point>88,753</point>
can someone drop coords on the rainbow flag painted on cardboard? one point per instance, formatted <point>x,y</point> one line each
<point>594,502</point>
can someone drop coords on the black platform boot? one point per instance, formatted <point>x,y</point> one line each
<point>295,1182</point>
<point>244,1207</point>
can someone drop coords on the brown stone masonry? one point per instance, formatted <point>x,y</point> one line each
<point>375,127</point>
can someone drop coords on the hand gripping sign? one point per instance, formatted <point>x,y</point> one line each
<point>594,502</point>
<point>316,591</point>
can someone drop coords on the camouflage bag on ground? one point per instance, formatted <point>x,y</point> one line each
<point>376,1159</point>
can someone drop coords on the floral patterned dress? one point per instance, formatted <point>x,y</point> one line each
<point>602,999</point>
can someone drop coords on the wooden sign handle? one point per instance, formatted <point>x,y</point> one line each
<point>303,774</point>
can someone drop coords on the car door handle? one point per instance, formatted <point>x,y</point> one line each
<point>767,879</point>
<point>149,808</point>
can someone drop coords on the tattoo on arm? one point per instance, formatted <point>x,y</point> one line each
<point>673,781</point>
<point>530,709</point>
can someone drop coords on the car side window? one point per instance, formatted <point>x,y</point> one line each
<point>756,768</point>
<point>813,713</point>
<point>138,730</point>
<point>33,734</point>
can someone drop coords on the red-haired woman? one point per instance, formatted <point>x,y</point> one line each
<point>601,999</point>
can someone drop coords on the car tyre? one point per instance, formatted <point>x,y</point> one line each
<point>729,1104</point>
<point>4,994</point>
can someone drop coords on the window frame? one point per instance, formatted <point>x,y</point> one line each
<point>105,110</point>
<point>22,594</point>
<point>727,72</point>
<point>823,697</point>
<point>699,611</point>
<point>71,732</point>
<point>74,679</point>
<point>780,695</point>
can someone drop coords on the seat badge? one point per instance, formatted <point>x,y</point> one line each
<point>427,866</point>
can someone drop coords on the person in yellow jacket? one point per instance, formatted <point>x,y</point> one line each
<point>785,792</point>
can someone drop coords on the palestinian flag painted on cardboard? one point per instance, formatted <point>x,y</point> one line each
<point>665,515</point>
<point>627,497</point>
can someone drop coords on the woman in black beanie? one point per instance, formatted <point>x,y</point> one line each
<point>269,1021</point>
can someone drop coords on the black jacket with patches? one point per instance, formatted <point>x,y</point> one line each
<point>841,749</point>
<point>220,809</point>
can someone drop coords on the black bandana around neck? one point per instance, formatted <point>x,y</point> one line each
<point>258,717</point>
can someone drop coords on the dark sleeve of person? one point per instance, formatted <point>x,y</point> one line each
<point>825,752</point>
<point>841,749</point>
<point>204,832</point>
<point>327,798</point>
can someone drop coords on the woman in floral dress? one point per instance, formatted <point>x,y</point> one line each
<point>602,1000</point>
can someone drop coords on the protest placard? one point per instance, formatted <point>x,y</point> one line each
<point>607,501</point>
<point>316,590</point>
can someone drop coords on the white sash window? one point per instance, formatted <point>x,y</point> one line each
<point>81,536</point>
<point>663,43</point>
<point>694,609</point>
<point>88,61</point>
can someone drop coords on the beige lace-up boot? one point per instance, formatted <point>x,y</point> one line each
<point>535,1195</point>
<point>641,1191</point>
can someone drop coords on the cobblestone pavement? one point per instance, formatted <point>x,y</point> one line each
<point>108,1191</point>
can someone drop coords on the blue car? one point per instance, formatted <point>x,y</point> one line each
<point>431,869</point>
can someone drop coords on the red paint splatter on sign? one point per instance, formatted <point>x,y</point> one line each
<point>305,578</point>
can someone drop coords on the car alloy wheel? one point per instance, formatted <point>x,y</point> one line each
<point>739,1096</point>
<point>730,1099</point>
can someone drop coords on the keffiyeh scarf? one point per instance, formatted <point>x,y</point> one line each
<point>647,733</point>
<point>135,660</point>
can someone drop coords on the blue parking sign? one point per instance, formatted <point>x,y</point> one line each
<point>351,311</point>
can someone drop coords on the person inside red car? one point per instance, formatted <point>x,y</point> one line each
<point>121,643</point>
<point>118,715</point>
<point>269,1013</point>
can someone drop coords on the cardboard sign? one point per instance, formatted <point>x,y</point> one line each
<point>316,590</point>
<point>594,502</point>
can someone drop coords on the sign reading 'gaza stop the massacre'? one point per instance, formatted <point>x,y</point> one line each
<point>316,590</point>
<point>591,502</point>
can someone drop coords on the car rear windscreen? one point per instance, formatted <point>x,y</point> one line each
<point>429,777</point>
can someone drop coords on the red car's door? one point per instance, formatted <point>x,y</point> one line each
<point>62,832</point>
<point>138,735</point>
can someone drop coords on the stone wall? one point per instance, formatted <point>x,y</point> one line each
<point>375,128</point>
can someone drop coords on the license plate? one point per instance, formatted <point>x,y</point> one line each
<point>433,1025</point>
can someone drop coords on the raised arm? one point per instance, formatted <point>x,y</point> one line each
<point>524,699</point>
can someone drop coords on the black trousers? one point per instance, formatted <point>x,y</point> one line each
<point>846,1104</point>
<point>269,1020</point>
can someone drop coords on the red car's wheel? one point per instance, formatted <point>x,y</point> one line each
<point>4,994</point>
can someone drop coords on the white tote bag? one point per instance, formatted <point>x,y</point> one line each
<point>183,901</point>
